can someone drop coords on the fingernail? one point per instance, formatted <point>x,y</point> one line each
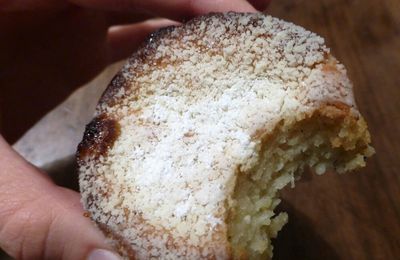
<point>101,254</point>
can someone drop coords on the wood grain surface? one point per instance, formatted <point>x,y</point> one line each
<point>357,215</point>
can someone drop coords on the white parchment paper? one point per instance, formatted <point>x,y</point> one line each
<point>51,143</point>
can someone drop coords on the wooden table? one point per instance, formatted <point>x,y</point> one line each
<point>357,215</point>
<point>352,216</point>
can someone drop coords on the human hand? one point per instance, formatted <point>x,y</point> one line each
<point>53,46</point>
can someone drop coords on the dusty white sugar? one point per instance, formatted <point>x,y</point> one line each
<point>188,119</point>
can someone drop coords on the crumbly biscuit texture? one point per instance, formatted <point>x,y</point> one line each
<point>189,115</point>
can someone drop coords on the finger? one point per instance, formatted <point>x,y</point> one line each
<point>260,5</point>
<point>24,5</point>
<point>172,9</point>
<point>39,220</point>
<point>123,40</point>
<point>124,18</point>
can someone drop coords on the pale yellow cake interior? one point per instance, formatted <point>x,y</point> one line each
<point>320,143</point>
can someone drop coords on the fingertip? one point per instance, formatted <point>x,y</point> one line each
<point>101,254</point>
<point>178,10</point>
<point>206,6</point>
<point>24,5</point>
<point>260,5</point>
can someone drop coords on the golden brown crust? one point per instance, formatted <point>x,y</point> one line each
<point>118,82</point>
<point>124,248</point>
<point>145,55</point>
<point>118,242</point>
<point>98,138</point>
<point>123,79</point>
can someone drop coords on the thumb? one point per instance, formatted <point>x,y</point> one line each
<point>39,220</point>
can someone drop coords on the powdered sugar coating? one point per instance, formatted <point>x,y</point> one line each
<point>189,105</point>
